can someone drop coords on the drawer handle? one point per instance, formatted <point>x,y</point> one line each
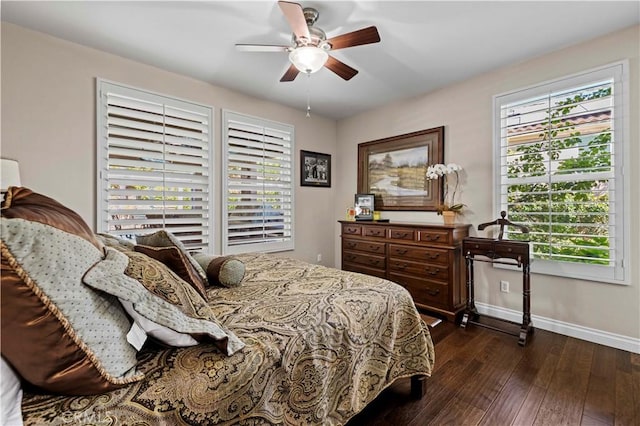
<point>350,257</point>
<point>374,262</point>
<point>433,256</point>
<point>376,233</point>
<point>352,230</point>
<point>404,234</point>
<point>374,248</point>
<point>433,237</point>
<point>401,266</point>
<point>351,245</point>
<point>433,292</point>
<point>401,251</point>
<point>433,271</point>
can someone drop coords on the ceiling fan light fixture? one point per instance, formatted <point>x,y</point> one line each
<point>308,59</point>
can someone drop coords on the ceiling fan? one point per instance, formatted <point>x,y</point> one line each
<point>309,50</point>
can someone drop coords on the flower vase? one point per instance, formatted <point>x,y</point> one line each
<point>449,217</point>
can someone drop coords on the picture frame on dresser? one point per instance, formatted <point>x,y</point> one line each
<point>315,169</point>
<point>363,205</point>
<point>394,170</point>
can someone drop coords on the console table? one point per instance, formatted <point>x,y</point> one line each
<point>507,252</point>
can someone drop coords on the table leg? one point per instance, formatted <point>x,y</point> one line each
<point>470,310</point>
<point>526,305</point>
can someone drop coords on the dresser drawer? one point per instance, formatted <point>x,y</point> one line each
<point>434,236</point>
<point>348,229</point>
<point>354,267</point>
<point>401,234</point>
<point>431,255</point>
<point>423,292</point>
<point>368,246</point>
<point>374,231</point>
<point>419,269</point>
<point>369,260</point>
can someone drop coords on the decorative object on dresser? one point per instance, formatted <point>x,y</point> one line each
<point>448,208</point>
<point>394,170</point>
<point>364,206</point>
<point>424,258</point>
<point>499,251</point>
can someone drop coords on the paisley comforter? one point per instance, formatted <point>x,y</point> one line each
<point>320,345</point>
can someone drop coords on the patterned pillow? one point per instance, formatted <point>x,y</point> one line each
<point>20,202</point>
<point>178,262</point>
<point>227,271</point>
<point>57,333</point>
<point>160,296</point>
<point>166,239</point>
<point>157,331</point>
<point>115,242</point>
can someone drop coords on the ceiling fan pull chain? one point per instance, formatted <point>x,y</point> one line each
<point>308,94</point>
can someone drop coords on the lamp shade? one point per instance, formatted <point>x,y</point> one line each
<point>308,59</point>
<point>10,174</point>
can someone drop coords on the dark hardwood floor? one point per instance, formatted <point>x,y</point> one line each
<point>482,377</point>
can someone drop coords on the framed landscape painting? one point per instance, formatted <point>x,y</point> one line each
<point>394,170</point>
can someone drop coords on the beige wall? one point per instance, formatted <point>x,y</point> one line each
<point>48,125</point>
<point>465,109</point>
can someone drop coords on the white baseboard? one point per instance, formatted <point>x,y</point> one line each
<point>617,341</point>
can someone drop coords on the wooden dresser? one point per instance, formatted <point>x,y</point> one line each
<point>424,258</point>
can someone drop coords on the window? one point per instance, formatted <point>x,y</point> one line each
<point>154,164</point>
<point>258,187</point>
<point>559,171</point>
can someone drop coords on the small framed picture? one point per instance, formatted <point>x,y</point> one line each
<point>364,206</point>
<point>315,169</point>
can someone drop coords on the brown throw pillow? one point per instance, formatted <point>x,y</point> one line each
<point>177,261</point>
<point>23,203</point>
<point>227,271</point>
<point>164,238</point>
<point>59,334</point>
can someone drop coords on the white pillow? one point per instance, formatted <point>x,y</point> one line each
<point>155,330</point>
<point>11,403</point>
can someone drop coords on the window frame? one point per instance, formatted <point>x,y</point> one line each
<point>102,156</point>
<point>619,73</point>
<point>261,246</point>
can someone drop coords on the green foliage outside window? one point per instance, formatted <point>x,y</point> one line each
<point>568,216</point>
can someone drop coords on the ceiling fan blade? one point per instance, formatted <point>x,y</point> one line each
<point>290,74</point>
<point>261,48</point>
<point>356,38</point>
<point>343,70</point>
<point>294,15</point>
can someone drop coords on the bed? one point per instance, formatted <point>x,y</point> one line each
<point>316,345</point>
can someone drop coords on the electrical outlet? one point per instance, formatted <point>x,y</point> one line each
<point>504,286</point>
<point>319,258</point>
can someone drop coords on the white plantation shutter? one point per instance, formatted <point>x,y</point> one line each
<point>559,171</point>
<point>258,184</point>
<point>154,162</point>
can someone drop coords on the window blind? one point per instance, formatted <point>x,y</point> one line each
<point>155,165</point>
<point>559,171</point>
<point>258,185</point>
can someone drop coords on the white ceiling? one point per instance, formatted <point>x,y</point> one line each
<point>425,44</point>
